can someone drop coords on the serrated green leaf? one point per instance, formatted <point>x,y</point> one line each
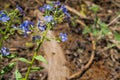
<point>106,32</point>
<point>24,60</point>
<point>41,58</point>
<point>18,75</point>
<point>7,68</point>
<point>117,36</point>
<point>102,25</point>
<point>95,32</point>
<point>86,30</point>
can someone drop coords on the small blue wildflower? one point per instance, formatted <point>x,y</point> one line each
<point>25,26</point>
<point>63,37</point>
<point>4,51</point>
<point>64,9</point>
<point>67,16</point>
<point>35,38</point>
<point>56,3</point>
<point>41,26</point>
<point>20,9</point>
<point>4,17</point>
<point>42,9</point>
<point>48,18</point>
<point>46,7</point>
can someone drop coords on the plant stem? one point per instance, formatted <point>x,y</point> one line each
<point>1,42</point>
<point>36,51</point>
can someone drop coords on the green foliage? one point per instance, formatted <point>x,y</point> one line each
<point>94,8</point>
<point>57,14</point>
<point>99,29</point>
<point>18,75</point>
<point>117,36</point>
<point>9,30</point>
<point>41,58</point>
<point>24,60</point>
<point>86,30</point>
<point>10,56</point>
<point>33,69</point>
<point>7,68</point>
<point>99,32</point>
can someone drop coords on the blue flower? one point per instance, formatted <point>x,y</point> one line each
<point>4,51</point>
<point>64,9</point>
<point>40,26</point>
<point>56,3</point>
<point>48,18</point>
<point>25,26</point>
<point>46,7</point>
<point>4,17</point>
<point>20,9</point>
<point>35,38</point>
<point>42,9</point>
<point>63,37</point>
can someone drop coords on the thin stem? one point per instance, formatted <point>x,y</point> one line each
<point>36,51</point>
<point>1,42</point>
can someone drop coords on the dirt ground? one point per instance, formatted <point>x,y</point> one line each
<point>77,50</point>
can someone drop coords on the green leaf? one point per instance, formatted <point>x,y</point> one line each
<point>86,30</point>
<point>58,40</point>
<point>7,68</point>
<point>48,39</point>
<point>12,31</point>
<point>94,8</point>
<point>95,32</point>
<point>105,30</point>
<point>117,36</point>
<point>29,44</point>
<point>41,58</point>
<point>1,31</point>
<point>24,60</point>
<point>103,25</point>
<point>18,75</point>
<point>36,69</point>
<point>0,56</point>
<point>10,56</point>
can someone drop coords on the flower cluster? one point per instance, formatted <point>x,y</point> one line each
<point>25,27</point>
<point>4,17</point>
<point>46,7</point>
<point>41,26</point>
<point>4,51</point>
<point>53,13</point>
<point>20,9</point>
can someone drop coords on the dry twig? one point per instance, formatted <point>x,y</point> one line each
<point>80,72</point>
<point>114,20</point>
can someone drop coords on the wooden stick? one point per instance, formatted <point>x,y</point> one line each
<point>56,68</point>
